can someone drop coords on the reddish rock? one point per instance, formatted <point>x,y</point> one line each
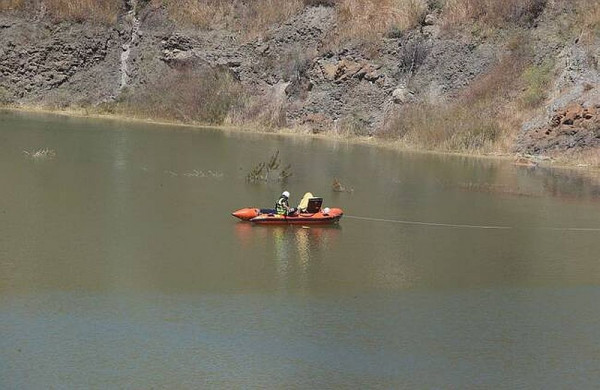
<point>556,120</point>
<point>573,113</point>
<point>574,128</point>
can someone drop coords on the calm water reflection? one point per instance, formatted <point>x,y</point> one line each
<point>120,266</point>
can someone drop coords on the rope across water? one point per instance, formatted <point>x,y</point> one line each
<point>461,226</point>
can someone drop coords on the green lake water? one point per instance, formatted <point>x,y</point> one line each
<point>121,266</point>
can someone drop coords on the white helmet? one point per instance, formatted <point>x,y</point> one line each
<point>286,194</point>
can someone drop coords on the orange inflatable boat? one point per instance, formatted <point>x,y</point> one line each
<point>311,215</point>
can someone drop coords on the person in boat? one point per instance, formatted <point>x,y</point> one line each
<point>282,207</point>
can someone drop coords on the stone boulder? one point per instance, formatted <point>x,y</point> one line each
<point>430,19</point>
<point>401,95</point>
<point>346,69</point>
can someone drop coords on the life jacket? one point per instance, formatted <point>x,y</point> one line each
<point>280,206</point>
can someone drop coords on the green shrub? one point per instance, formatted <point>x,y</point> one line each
<point>536,79</point>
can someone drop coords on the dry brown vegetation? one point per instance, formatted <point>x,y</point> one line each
<point>250,18</point>
<point>9,5</point>
<point>98,11</point>
<point>203,96</point>
<point>266,112</point>
<point>185,95</point>
<point>492,12</point>
<point>358,19</point>
<point>370,19</point>
<point>502,13</point>
<point>588,19</point>
<point>448,127</point>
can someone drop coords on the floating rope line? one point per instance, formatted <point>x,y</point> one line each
<point>459,226</point>
<point>575,229</point>
<point>429,223</point>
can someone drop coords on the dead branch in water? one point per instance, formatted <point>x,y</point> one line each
<point>262,172</point>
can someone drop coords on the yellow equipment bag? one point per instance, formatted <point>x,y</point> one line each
<point>304,202</point>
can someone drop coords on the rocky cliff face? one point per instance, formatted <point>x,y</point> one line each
<point>318,85</point>
<point>570,123</point>
<point>46,63</point>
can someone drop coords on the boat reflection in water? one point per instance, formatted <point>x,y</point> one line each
<point>297,250</point>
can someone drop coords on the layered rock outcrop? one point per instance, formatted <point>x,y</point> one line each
<point>64,63</point>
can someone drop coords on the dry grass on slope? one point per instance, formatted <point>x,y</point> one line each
<point>10,5</point>
<point>250,18</point>
<point>584,15</point>
<point>98,11</point>
<point>367,20</point>
<point>357,19</point>
<point>588,19</point>
<point>184,95</point>
<point>202,96</point>
<point>492,12</point>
